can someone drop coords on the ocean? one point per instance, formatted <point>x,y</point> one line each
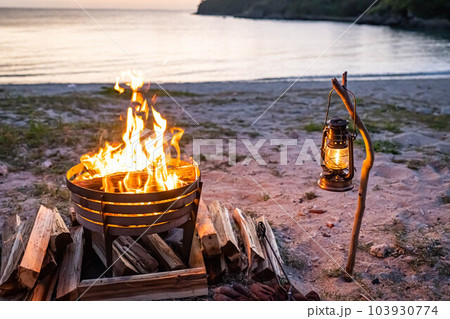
<point>68,46</point>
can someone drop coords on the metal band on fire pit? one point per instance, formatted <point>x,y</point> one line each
<point>132,214</point>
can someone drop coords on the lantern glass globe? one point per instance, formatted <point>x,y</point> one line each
<point>336,158</point>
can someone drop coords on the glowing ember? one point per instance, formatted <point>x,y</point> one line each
<point>142,162</point>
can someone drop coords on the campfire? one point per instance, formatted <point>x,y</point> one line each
<point>142,163</point>
<point>136,186</point>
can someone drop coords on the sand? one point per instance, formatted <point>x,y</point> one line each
<point>407,205</point>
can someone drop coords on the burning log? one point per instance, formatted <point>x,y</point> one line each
<point>15,235</point>
<point>207,232</point>
<point>31,263</point>
<point>221,219</point>
<point>255,253</point>
<point>70,271</point>
<point>165,255</point>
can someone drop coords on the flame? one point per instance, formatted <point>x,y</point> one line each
<point>139,164</point>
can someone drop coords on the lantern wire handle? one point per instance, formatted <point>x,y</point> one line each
<point>355,133</point>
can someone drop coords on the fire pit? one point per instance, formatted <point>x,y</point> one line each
<point>135,187</point>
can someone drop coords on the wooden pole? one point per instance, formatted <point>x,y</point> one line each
<point>366,167</point>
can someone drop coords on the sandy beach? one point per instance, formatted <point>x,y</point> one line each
<point>46,128</point>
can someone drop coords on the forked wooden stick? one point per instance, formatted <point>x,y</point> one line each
<point>367,165</point>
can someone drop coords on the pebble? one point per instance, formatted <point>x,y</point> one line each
<point>47,164</point>
<point>4,170</point>
<point>381,251</point>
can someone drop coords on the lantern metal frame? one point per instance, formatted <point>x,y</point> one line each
<point>335,135</point>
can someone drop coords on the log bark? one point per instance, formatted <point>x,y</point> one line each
<point>162,285</point>
<point>222,223</point>
<point>164,254</point>
<point>274,255</point>
<point>206,231</point>
<point>70,272</point>
<point>31,263</point>
<point>60,236</point>
<point>365,170</point>
<point>255,254</point>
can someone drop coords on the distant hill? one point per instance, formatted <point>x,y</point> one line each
<point>405,13</point>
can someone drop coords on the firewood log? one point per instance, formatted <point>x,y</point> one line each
<point>255,253</point>
<point>60,236</point>
<point>70,272</point>
<point>207,232</point>
<point>31,263</point>
<point>137,255</point>
<point>15,235</point>
<point>272,256</point>
<point>221,220</point>
<point>215,268</point>
<point>164,254</point>
<point>45,287</point>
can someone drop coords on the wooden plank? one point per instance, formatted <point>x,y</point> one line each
<point>274,255</point>
<point>206,231</point>
<point>70,271</point>
<point>222,223</point>
<point>31,263</point>
<point>60,236</point>
<point>15,235</point>
<point>156,286</point>
<point>167,258</point>
<point>254,251</point>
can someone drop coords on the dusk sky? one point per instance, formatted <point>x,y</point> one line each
<point>131,4</point>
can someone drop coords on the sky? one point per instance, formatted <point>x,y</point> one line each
<point>129,4</point>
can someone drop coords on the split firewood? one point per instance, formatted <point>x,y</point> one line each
<point>49,264</point>
<point>31,263</point>
<point>164,254</point>
<point>70,271</point>
<point>137,255</point>
<point>45,287</point>
<point>121,266</point>
<point>60,236</point>
<point>215,268</point>
<point>271,247</point>
<point>196,258</point>
<point>206,231</point>
<point>73,217</point>
<point>255,253</point>
<point>15,235</point>
<point>222,223</point>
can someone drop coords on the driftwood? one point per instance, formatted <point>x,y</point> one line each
<point>207,232</point>
<point>70,271</point>
<point>254,251</point>
<point>163,253</point>
<point>31,263</point>
<point>221,219</point>
<point>15,235</point>
<point>365,170</point>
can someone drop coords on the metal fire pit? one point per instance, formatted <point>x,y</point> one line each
<point>126,214</point>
